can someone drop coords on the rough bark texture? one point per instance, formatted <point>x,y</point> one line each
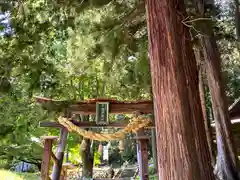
<point>177,109</point>
<point>237,19</point>
<point>226,159</point>
<point>237,23</point>
<point>87,158</point>
<point>207,122</point>
<point>227,165</point>
<point>86,154</point>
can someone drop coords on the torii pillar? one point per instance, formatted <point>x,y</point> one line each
<point>142,154</point>
<point>57,167</point>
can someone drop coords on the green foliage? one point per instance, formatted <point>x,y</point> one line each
<point>151,170</point>
<point>97,159</point>
<point>20,132</point>
<point>74,155</point>
<point>130,151</point>
<point>114,153</point>
<point>229,48</point>
<point>152,175</point>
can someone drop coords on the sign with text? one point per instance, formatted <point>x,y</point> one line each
<point>102,111</point>
<point>105,153</point>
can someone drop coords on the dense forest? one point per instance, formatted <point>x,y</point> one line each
<point>77,50</point>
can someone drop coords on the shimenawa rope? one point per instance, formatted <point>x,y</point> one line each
<point>134,125</point>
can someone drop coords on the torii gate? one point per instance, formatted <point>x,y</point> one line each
<point>68,108</point>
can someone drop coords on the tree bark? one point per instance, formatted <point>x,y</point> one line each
<point>86,154</point>
<point>237,24</point>
<point>237,19</point>
<point>227,163</point>
<point>56,171</point>
<point>227,167</point>
<point>177,110</point>
<point>87,158</point>
<point>154,150</point>
<point>153,133</point>
<point>207,122</point>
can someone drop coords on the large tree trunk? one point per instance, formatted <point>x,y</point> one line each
<point>227,164</point>
<point>177,109</point>
<point>207,122</point>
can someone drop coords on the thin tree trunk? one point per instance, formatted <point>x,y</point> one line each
<point>87,158</point>
<point>227,164</point>
<point>86,155</point>
<point>154,150</point>
<point>177,110</point>
<point>207,122</point>
<point>67,154</point>
<point>237,24</point>
<point>237,19</point>
<point>56,172</point>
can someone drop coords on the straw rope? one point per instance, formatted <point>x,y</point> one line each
<point>134,125</point>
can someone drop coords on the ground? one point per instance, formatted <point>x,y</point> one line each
<point>8,175</point>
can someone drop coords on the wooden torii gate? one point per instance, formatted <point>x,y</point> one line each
<point>116,107</point>
<point>68,108</point>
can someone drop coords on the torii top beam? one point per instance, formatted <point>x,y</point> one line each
<point>117,107</point>
<point>89,107</point>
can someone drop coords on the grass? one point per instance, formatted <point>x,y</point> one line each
<point>8,175</point>
<point>151,177</point>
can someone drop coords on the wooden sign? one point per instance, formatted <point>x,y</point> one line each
<point>102,111</point>
<point>105,153</point>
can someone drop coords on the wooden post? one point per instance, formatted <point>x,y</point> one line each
<point>56,172</point>
<point>46,158</point>
<point>142,150</point>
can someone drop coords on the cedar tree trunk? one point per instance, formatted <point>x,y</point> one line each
<point>177,109</point>
<point>227,163</point>
<point>207,122</point>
